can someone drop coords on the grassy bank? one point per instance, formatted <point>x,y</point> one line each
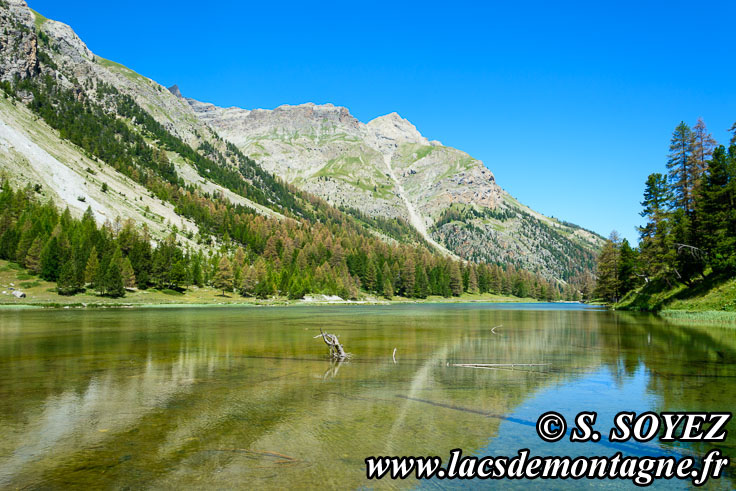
<point>712,299</point>
<point>43,294</point>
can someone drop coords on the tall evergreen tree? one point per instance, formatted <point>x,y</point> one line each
<point>388,289</point>
<point>197,270</point>
<point>370,276</point>
<point>33,256</point>
<point>717,207</point>
<point>703,146</point>
<point>114,286</point>
<point>627,269</point>
<point>69,281</point>
<point>421,282</point>
<point>408,277</point>
<point>683,171</point>
<point>51,260</point>
<point>473,280</point>
<point>655,242</point>
<point>456,279</point>
<point>128,273</point>
<point>91,271</point>
<point>609,284</point>
<point>224,277</point>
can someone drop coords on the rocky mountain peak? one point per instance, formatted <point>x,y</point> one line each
<point>394,127</point>
<point>174,89</point>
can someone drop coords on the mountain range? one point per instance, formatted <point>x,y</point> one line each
<point>283,163</point>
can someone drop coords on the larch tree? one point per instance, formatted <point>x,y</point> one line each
<point>703,146</point>
<point>388,288</point>
<point>51,260</point>
<point>91,271</point>
<point>114,286</point>
<point>248,281</point>
<point>386,274</point>
<point>128,273</point>
<point>370,275</point>
<point>224,276</point>
<point>473,281</point>
<point>456,279</point>
<point>69,281</point>
<point>408,277</point>
<point>33,256</point>
<point>421,282</point>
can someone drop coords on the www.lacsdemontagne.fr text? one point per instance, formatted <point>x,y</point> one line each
<point>642,471</point>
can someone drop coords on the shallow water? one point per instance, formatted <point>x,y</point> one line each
<point>246,397</point>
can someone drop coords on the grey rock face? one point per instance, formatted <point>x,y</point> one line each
<point>174,89</point>
<point>18,43</point>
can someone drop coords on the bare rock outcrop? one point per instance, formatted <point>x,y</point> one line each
<point>18,42</point>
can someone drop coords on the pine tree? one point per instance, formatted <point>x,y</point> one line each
<point>683,171</point>
<point>224,277</point>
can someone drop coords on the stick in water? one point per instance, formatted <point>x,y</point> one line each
<point>394,355</point>
<point>481,365</point>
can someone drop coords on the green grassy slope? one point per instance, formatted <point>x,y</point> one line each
<point>713,298</point>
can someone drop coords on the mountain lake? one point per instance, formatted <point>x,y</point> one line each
<point>247,397</point>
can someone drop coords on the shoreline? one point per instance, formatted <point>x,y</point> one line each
<point>712,317</point>
<point>275,302</point>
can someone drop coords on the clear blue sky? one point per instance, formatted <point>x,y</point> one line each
<point>570,104</point>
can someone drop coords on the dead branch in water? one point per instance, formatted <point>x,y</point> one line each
<point>337,352</point>
<point>493,329</point>
<point>394,355</point>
